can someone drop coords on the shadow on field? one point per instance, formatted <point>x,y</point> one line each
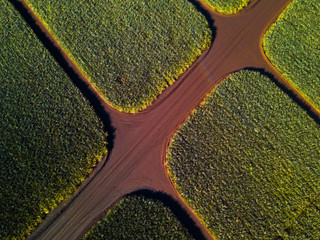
<point>177,210</point>
<point>73,75</point>
<point>288,92</point>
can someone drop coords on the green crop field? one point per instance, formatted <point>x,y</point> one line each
<point>138,217</point>
<point>292,44</point>
<point>50,136</point>
<point>130,49</point>
<point>227,6</point>
<point>247,161</point>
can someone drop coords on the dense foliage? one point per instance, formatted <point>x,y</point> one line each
<point>292,44</point>
<point>130,49</point>
<point>50,135</point>
<point>227,6</point>
<point>247,161</point>
<point>137,217</point>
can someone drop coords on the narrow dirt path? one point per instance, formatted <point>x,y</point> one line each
<point>139,141</point>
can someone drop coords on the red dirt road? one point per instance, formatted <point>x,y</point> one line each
<point>137,160</point>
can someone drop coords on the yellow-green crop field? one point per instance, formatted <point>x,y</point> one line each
<point>293,46</point>
<point>130,49</point>
<point>138,217</point>
<point>50,136</point>
<point>247,162</point>
<point>227,6</point>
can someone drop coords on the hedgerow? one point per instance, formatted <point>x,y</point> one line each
<point>292,45</point>
<point>138,217</point>
<point>247,161</point>
<point>227,6</point>
<point>50,135</point>
<point>130,49</point>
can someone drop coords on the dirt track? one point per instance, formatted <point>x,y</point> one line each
<point>137,160</point>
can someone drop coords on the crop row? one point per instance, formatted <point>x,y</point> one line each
<point>50,135</point>
<point>247,161</point>
<point>138,217</point>
<point>131,50</point>
<point>292,45</point>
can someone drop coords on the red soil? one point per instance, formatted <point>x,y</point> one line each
<point>138,157</point>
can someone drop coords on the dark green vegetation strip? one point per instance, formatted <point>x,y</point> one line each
<point>247,161</point>
<point>50,136</point>
<point>138,217</point>
<point>130,49</point>
<point>292,44</point>
<point>227,6</point>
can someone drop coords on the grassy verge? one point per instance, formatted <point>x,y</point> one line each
<point>50,135</point>
<point>131,50</point>
<point>292,45</point>
<point>138,217</point>
<point>247,161</point>
<point>227,6</point>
